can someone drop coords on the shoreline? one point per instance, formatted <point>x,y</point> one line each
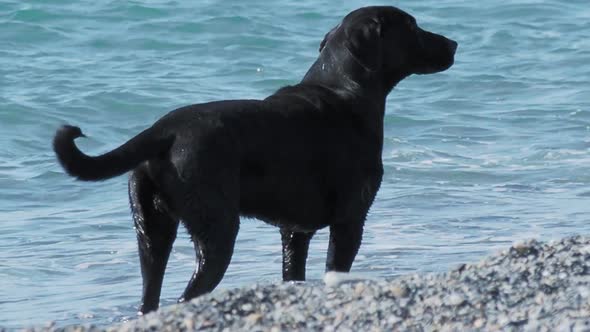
<point>532,286</point>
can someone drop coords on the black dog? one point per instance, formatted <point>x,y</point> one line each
<point>307,157</point>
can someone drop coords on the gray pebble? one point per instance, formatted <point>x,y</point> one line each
<point>532,286</point>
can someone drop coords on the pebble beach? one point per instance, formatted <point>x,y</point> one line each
<point>531,286</point>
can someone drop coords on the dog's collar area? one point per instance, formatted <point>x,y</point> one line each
<point>359,62</point>
<point>341,71</point>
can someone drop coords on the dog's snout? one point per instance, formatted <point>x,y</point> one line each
<point>436,53</point>
<point>452,45</point>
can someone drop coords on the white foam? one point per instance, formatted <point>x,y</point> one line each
<point>333,279</point>
<point>87,265</point>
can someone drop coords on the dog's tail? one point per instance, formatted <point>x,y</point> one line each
<point>147,145</point>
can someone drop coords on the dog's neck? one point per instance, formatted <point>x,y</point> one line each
<point>340,70</point>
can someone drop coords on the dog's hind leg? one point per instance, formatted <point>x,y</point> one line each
<point>211,217</point>
<point>156,232</point>
<point>295,246</point>
<point>345,240</point>
<point>214,243</point>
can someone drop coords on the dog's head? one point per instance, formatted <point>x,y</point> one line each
<point>388,40</point>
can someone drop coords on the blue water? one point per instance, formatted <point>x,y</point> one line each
<point>494,150</point>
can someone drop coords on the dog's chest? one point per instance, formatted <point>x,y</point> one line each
<point>309,201</point>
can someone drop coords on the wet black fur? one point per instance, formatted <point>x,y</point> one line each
<point>307,157</point>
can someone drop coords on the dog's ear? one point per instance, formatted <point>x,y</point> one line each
<point>327,37</point>
<point>363,40</point>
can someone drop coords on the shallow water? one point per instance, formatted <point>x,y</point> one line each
<point>494,150</point>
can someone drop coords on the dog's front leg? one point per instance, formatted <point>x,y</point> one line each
<point>345,240</point>
<point>295,246</point>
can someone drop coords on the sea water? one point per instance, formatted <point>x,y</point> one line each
<point>494,150</point>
